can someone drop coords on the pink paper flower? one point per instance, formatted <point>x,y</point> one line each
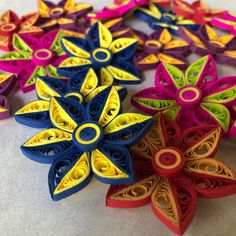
<point>33,57</point>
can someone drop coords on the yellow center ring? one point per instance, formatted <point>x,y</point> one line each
<point>197,94</point>
<point>36,54</point>
<point>103,51</point>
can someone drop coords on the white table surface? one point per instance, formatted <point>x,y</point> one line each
<point>26,207</point>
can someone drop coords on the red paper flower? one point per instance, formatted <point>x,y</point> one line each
<point>10,23</point>
<point>173,168</point>
<point>198,11</point>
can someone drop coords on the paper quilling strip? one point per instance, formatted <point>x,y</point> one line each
<point>160,47</point>
<point>10,23</point>
<point>173,168</point>
<point>33,57</point>
<point>198,11</point>
<point>82,87</point>
<point>158,18</point>
<point>226,22</point>
<point>110,59</point>
<point>87,141</point>
<point>196,98</point>
<point>206,41</point>
<point>64,14</point>
<point>7,83</point>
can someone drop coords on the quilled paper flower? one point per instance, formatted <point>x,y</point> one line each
<point>173,169</point>
<point>7,83</point>
<point>82,87</point>
<point>87,141</point>
<point>196,98</point>
<point>64,14</point>
<point>158,18</point>
<point>160,47</point>
<point>206,41</point>
<point>198,11</point>
<point>110,59</point>
<point>227,22</point>
<point>10,23</point>
<point>33,57</point>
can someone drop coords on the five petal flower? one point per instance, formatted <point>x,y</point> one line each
<point>198,11</point>
<point>10,24</point>
<point>110,59</point>
<point>33,57</point>
<point>87,140</point>
<point>206,41</point>
<point>160,47</point>
<point>158,18</point>
<point>7,83</point>
<point>64,14</point>
<point>173,168</point>
<point>82,87</point>
<point>197,98</point>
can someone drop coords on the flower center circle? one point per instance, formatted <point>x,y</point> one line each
<point>168,162</point>
<point>56,12</point>
<point>169,18</point>
<point>152,46</point>
<point>8,28</point>
<point>189,96</point>
<point>75,96</point>
<point>101,57</point>
<point>88,135</point>
<point>42,57</point>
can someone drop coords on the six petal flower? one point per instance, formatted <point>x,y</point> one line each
<point>158,18</point>
<point>7,83</point>
<point>159,47</point>
<point>206,41</point>
<point>64,14</point>
<point>10,24</point>
<point>172,170</point>
<point>197,98</point>
<point>87,140</point>
<point>33,57</point>
<point>109,58</point>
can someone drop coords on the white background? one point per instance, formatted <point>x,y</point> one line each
<point>26,207</point>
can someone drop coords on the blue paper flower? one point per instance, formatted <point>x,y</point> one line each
<point>87,141</point>
<point>110,59</point>
<point>158,18</point>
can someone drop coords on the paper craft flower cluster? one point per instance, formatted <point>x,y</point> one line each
<point>196,98</point>
<point>84,140</point>
<point>110,59</point>
<point>173,169</point>
<point>10,23</point>
<point>33,57</point>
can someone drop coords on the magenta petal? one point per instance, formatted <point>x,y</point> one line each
<point>201,117</point>
<point>24,76</point>
<point>31,41</point>
<point>47,40</point>
<point>57,61</point>
<point>163,80</point>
